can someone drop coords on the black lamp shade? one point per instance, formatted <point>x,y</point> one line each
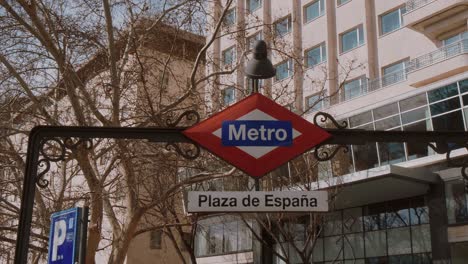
<point>260,67</point>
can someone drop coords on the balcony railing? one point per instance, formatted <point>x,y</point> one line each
<point>415,64</point>
<point>415,4</point>
<point>439,55</point>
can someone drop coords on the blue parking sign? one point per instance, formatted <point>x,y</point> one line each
<point>64,236</point>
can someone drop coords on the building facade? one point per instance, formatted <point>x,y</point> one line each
<point>379,65</point>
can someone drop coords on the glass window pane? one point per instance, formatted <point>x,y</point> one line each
<point>352,220</point>
<point>252,39</point>
<point>324,52</point>
<point>390,21</point>
<point>386,110</point>
<point>230,17</point>
<point>445,106</point>
<point>465,99</point>
<point>360,35</point>
<point>419,213</point>
<point>215,239</point>
<point>333,248</point>
<point>349,40</point>
<point>283,27</point>
<point>316,55</point>
<point>333,223</point>
<point>443,92</point>
<point>417,150</point>
<point>402,259</point>
<point>391,153</point>
<point>313,11</point>
<point>360,119</point>
<point>394,68</point>
<point>283,70</point>
<point>354,246</point>
<point>452,39</point>
<point>228,95</point>
<point>314,103</point>
<point>413,102</point>
<point>365,157</point>
<point>376,243</point>
<point>424,258</point>
<point>353,88</point>
<point>201,241</point>
<point>415,115</point>
<point>355,261</point>
<point>280,249</point>
<point>254,4</point>
<point>388,123</point>
<point>230,236</point>
<point>452,121</point>
<point>421,238</point>
<point>463,86</point>
<point>245,236</point>
<point>399,241</point>
<point>317,254</point>
<point>374,217</point>
<point>398,214</point>
<point>457,208</point>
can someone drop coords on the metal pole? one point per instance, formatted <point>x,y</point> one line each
<point>37,134</point>
<point>255,83</point>
<point>84,235</point>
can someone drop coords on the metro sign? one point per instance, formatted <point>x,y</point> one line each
<point>256,135</point>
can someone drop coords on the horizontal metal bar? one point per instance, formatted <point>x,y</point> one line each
<point>152,134</point>
<point>361,137</point>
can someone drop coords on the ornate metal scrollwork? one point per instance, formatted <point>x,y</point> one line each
<point>189,153</point>
<point>58,153</point>
<point>323,152</point>
<point>190,115</point>
<point>324,117</point>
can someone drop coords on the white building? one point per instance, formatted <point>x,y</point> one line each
<point>380,65</point>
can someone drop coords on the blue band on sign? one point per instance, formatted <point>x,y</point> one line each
<point>256,133</point>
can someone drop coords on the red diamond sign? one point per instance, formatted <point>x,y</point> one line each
<point>256,135</point>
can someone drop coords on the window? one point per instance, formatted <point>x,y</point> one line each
<point>352,39</point>
<point>394,73</point>
<point>229,95</point>
<point>354,88</point>
<point>253,5</point>
<point>284,70</point>
<point>155,239</point>
<point>378,233</point>
<point>457,206</point>
<point>283,26</point>
<point>457,37</point>
<point>230,17</point>
<point>229,56</point>
<point>340,2</point>
<point>253,38</point>
<point>314,102</point>
<point>316,55</point>
<point>222,235</point>
<point>391,21</point>
<point>314,10</point>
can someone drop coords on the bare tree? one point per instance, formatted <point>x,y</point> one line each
<point>110,63</point>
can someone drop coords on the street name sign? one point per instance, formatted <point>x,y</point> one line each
<point>276,201</point>
<point>256,135</point>
<point>64,240</point>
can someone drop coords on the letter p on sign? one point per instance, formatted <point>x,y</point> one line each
<point>60,233</point>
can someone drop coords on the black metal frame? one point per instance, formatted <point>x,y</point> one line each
<point>442,142</point>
